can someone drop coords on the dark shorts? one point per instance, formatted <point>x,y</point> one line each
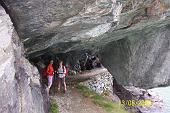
<point>62,80</point>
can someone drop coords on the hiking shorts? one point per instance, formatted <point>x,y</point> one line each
<point>62,80</point>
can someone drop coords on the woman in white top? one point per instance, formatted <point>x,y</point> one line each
<point>61,71</point>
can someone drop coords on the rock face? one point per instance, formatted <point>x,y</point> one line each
<point>140,59</point>
<point>20,86</point>
<point>132,36</point>
<point>153,102</point>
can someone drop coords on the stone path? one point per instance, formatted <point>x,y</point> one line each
<point>73,102</point>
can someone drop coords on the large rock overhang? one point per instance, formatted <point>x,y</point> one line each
<point>141,58</point>
<point>52,26</point>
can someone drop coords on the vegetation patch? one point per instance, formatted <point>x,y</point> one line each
<point>53,107</point>
<point>99,100</point>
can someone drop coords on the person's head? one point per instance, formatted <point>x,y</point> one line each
<point>67,65</point>
<point>86,54</point>
<point>51,61</point>
<point>60,62</point>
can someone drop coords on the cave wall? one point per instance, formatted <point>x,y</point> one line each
<point>21,91</point>
<point>141,59</point>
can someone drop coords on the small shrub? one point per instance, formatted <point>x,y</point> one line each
<point>53,107</point>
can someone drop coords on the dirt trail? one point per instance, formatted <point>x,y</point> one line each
<point>73,101</point>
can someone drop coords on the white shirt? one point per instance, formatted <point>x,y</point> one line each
<point>61,71</point>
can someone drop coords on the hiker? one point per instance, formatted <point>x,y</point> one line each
<point>97,63</point>
<point>50,74</point>
<point>77,67</point>
<point>89,64</point>
<point>61,71</point>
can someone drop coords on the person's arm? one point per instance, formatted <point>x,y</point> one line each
<point>53,72</point>
<point>57,71</point>
<point>64,70</point>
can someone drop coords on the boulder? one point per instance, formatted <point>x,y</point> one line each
<point>141,58</point>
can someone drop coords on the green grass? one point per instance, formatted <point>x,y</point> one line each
<point>53,107</point>
<point>99,100</point>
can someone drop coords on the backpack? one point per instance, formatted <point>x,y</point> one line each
<point>44,72</point>
<point>66,71</point>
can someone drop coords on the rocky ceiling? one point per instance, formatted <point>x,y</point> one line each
<point>62,25</point>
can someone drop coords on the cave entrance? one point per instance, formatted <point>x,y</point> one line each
<point>83,63</point>
<point>95,77</point>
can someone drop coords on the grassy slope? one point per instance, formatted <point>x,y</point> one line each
<point>107,105</point>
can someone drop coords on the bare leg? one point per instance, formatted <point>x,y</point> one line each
<point>59,84</point>
<point>50,80</point>
<point>64,83</point>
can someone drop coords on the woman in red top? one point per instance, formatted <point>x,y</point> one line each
<point>50,74</point>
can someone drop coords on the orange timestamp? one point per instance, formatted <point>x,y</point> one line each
<point>130,103</point>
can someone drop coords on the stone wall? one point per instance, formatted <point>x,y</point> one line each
<point>20,87</point>
<point>100,83</point>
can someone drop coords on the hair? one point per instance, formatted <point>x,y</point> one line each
<point>51,60</point>
<point>60,61</point>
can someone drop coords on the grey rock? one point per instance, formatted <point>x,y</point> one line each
<point>141,59</point>
<point>60,25</point>
<point>20,87</point>
<point>99,83</point>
